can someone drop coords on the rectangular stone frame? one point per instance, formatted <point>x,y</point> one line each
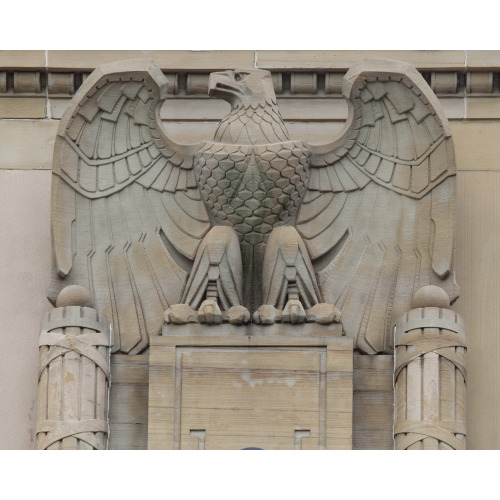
<point>335,379</point>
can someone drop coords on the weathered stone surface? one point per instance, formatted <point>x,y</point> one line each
<point>73,379</point>
<point>483,59</point>
<point>482,108</point>
<point>173,60</point>
<point>20,59</point>
<point>480,82</point>
<point>22,107</point>
<point>128,406</point>
<point>20,153</point>
<point>479,274</point>
<point>344,59</point>
<point>269,391</point>
<point>444,82</point>
<point>476,143</point>
<point>228,208</point>
<point>477,147</point>
<point>24,273</point>
<point>430,377</point>
<point>373,411</point>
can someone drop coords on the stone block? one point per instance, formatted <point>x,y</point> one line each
<point>373,373</point>
<point>182,109</point>
<point>128,412</point>
<point>24,273</point>
<point>344,59</point>
<point>171,60</point>
<point>297,109</point>
<point>483,59</point>
<point>311,110</point>
<point>22,107</point>
<point>236,391</point>
<point>373,402</point>
<point>58,106</point>
<point>27,144</point>
<point>315,132</point>
<point>453,107</point>
<point>482,108</point>
<point>19,59</point>
<point>190,132</point>
<point>476,144</point>
<point>477,244</point>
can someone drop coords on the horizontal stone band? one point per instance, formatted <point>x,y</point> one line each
<point>58,430</point>
<point>66,345</point>
<point>442,431</point>
<point>458,359</point>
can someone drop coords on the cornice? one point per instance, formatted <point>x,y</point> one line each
<point>294,83</point>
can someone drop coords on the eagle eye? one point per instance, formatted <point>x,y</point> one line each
<point>238,76</point>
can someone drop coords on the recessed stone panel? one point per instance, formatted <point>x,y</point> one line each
<point>266,390</point>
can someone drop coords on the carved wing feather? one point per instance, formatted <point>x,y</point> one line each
<point>378,216</point>
<point>111,135</point>
<point>127,215</point>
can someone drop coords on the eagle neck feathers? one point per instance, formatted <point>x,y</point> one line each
<point>252,123</point>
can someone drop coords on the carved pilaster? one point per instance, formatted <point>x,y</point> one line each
<point>73,376</point>
<point>430,375</point>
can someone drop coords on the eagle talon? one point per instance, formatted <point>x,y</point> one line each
<point>323,314</point>
<point>236,315</point>
<point>293,313</point>
<point>179,314</point>
<point>209,313</point>
<point>267,315</point>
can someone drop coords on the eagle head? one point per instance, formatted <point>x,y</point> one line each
<point>242,87</point>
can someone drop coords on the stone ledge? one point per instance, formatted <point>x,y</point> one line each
<point>424,60</point>
<point>244,334</point>
<point>21,59</point>
<point>483,59</point>
<point>174,60</point>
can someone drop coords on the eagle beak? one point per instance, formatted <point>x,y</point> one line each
<point>221,84</point>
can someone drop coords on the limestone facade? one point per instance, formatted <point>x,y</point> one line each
<point>35,88</point>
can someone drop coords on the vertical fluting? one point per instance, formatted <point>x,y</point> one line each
<point>73,379</point>
<point>430,376</point>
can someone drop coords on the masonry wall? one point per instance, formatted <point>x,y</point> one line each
<point>36,86</point>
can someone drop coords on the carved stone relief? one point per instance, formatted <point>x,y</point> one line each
<point>253,226</point>
<point>74,375</point>
<point>430,375</point>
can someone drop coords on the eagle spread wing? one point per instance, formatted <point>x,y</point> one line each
<point>127,216</point>
<point>378,215</point>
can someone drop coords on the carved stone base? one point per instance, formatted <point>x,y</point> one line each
<point>226,387</point>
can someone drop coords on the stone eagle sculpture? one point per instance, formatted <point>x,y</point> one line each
<point>252,225</point>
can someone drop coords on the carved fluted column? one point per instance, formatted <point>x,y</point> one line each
<point>430,375</point>
<point>74,375</point>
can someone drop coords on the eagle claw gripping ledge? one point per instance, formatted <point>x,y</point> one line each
<point>253,227</point>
